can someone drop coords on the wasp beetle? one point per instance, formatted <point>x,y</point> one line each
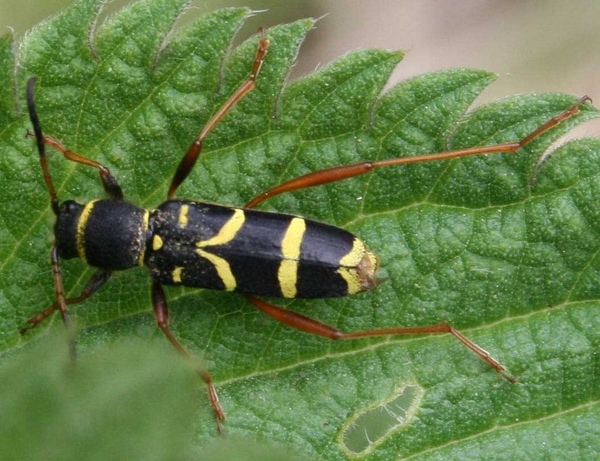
<point>239,249</point>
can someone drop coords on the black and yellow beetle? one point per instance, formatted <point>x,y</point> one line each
<point>204,245</point>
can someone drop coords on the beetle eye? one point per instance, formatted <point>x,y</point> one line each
<point>69,206</point>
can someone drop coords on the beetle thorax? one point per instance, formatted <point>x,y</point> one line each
<point>108,233</point>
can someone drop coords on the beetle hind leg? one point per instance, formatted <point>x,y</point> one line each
<point>312,326</point>
<point>339,173</point>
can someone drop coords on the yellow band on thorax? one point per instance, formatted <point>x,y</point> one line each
<point>81,225</point>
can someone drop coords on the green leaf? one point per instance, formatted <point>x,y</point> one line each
<point>511,263</point>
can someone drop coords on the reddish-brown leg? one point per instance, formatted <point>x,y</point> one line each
<point>308,325</point>
<point>338,173</point>
<point>189,160</point>
<point>161,311</point>
<point>58,287</point>
<point>109,182</point>
<point>60,301</point>
<point>96,281</point>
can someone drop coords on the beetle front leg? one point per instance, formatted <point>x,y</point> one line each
<point>97,280</point>
<point>61,302</point>
<point>109,182</point>
<point>161,311</point>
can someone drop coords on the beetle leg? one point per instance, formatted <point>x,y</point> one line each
<point>109,182</point>
<point>161,311</point>
<point>60,300</point>
<point>308,325</point>
<point>189,160</point>
<point>96,281</point>
<point>338,173</point>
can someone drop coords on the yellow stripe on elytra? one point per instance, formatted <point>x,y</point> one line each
<point>145,221</point>
<point>352,279</point>
<point>176,274</point>
<point>223,269</point>
<point>356,254</point>
<point>157,242</point>
<point>227,232</point>
<point>183,215</point>
<point>290,248</point>
<point>225,235</point>
<point>81,224</point>
<point>348,266</point>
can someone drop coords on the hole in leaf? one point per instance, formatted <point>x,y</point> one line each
<point>370,427</point>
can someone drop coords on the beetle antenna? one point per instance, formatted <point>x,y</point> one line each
<point>39,137</point>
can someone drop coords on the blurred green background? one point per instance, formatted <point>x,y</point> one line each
<point>535,46</point>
